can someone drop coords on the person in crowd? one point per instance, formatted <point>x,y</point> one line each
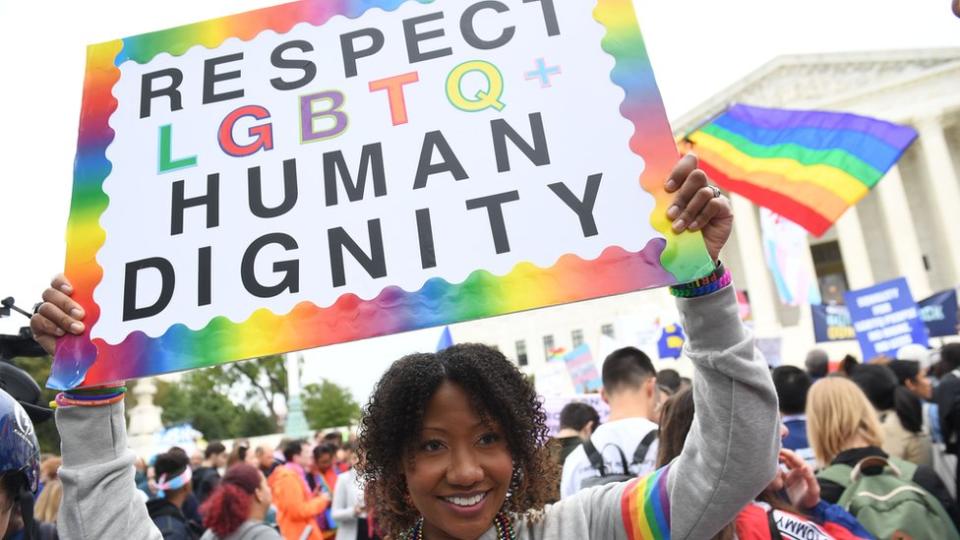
<point>947,396</point>
<point>790,506</point>
<point>817,364</point>
<point>323,479</point>
<point>239,453</point>
<point>173,487</point>
<point>266,461</point>
<point>48,503</point>
<point>207,476</point>
<point>496,429</point>
<point>913,376</point>
<point>843,429</point>
<point>900,413</point>
<point>848,366</point>
<point>955,5</point>
<point>792,384</point>
<point>448,435</point>
<point>669,380</point>
<point>196,460</point>
<point>191,505</point>
<point>142,477</point>
<point>577,423</point>
<point>19,468</point>
<point>323,475</point>
<point>237,507</point>
<point>298,507</point>
<point>349,509</point>
<point>340,462</point>
<point>630,388</point>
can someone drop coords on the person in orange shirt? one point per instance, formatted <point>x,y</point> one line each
<point>297,505</point>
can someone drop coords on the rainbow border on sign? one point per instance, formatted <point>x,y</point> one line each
<point>81,361</point>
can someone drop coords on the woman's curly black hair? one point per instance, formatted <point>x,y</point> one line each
<point>393,419</point>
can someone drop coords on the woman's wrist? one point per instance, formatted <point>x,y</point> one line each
<point>90,397</point>
<point>716,280</point>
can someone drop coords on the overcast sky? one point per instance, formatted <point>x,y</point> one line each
<point>697,47</point>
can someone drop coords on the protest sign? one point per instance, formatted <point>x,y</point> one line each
<point>832,323</point>
<point>553,378</point>
<point>554,404</point>
<point>320,172</point>
<point>671,341</point>
<point>939,313</point>
<point>583,370</point>
<point>885,318</point>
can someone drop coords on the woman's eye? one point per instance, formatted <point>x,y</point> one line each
<point>488,439</point>
<point>431,446</point>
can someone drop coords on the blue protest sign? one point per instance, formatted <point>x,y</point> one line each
<point>831,323</point>
<point>885,318</point>
<point>939,313</point>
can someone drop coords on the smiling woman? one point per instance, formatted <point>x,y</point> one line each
<point>454,437</point>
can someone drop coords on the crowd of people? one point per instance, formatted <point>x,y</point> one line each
<point>454,445</point>
<point>864,446</point>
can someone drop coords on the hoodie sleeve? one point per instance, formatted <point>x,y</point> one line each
<point>729,457</point>
<point>731,452</point>
<point>100,498</point>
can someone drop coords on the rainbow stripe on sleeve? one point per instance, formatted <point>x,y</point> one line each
<point>646,507</point>
<point>808,166</point>
<point>82,361</point>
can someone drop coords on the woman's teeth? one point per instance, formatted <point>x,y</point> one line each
<point>466,501</point>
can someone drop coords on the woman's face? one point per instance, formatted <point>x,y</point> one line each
<point>921,385</point>
<point>460,470</point>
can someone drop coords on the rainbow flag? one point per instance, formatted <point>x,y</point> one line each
<point>808,166</point>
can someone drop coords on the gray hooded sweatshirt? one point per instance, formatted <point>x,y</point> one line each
<point>729,457</point>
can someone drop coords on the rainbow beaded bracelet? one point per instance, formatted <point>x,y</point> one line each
<point>716,280</point>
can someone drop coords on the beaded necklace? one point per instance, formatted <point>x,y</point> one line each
<point>502,523</point>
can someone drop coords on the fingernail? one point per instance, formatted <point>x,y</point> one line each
<point>76,328</point>
<point>76,313</point>
<point>671,184</point>
<point>693,226</point>
<point>673,211</point>
<point>58,331</point>
<point>66,288</point>
<point>678,225</point>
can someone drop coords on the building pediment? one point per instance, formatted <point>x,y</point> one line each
<point>797,81</point>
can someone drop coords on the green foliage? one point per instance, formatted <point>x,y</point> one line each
<point>39,369</point>
<point>206,398</point>
<point>329,405</point>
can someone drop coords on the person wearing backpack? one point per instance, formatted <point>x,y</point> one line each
<point>891,497</point>
<point>625,446</point>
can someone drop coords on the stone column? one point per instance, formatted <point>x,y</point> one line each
<point>904,247</point>
<point>943,187</point>
<point>759,287</point>
<point>145,418</point>
<point>853,248</point>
